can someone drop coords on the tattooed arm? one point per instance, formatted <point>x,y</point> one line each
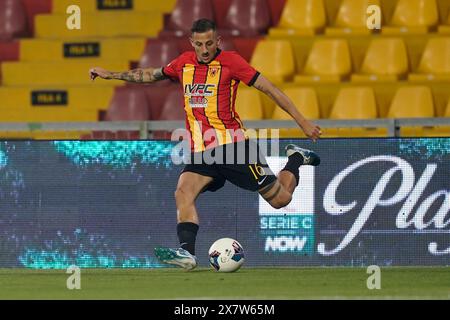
<point>147,75</point>
<point>310,129</point>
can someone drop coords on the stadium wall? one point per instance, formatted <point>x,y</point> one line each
<point>107,204</point>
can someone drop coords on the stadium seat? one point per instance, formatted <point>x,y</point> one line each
<point>352,17</point>
<point>128,104</point>
<point>158,53</point>
<point>301,17</point>
<point>274,59</point>
<point>35,7</point>
<point>445,28</point>
<point>328,61</point>
<point>386,60</point>
<point>13,20</point>
<point>248,104</point>
<point>435,61</point>
<point>185,12</point>
<point>306,101</point>
<point>413,16</point>
<point>9,50</point>
<point>173,108</point>
<point>355,103</point>
<point>276,9</point>
<point>246,18</point>
<point>412,102</point>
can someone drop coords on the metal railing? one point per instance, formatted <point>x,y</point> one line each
<point>146,128</point>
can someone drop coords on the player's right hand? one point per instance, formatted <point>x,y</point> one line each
<point>99,72</point>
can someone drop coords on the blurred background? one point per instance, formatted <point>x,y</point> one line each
<point>320,52</point>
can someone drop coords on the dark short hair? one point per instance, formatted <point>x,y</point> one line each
<point>203,25</point>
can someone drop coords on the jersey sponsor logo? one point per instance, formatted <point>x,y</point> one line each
<point>199,90</point>
<point>198,102</point>
<point>197,93</point>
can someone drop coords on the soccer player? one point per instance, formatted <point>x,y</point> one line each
<point>210,78</point>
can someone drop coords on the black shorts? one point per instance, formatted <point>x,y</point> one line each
<point>241,163</point>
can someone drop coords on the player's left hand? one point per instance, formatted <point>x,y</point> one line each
<point>311,130</point>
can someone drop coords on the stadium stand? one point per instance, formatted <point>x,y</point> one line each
<point>321,45</point>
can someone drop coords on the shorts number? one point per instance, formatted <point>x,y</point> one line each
<point>257,170</point>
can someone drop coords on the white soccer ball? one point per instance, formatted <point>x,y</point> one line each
<point>226,255</point>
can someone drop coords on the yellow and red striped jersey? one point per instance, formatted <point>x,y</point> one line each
<point>209,96</point>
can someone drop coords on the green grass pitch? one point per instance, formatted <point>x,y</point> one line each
<point>247,283</point>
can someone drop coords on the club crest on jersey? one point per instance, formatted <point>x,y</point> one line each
<point>213,71</point>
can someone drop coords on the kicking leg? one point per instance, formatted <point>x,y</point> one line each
<point>279,193</point>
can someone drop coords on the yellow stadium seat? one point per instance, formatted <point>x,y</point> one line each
<point>412,102</point>
<point>435,61</point>
<point>91,6</point>
<point>301,17</point>
<point>55,73</point>
<point>445,28</point>
<point>328,61</point>
<point>248,104</point>
<point>113,49</point>
<point>274,59</point>
<point>306,101</point>
<point>439,131</point>
<point>355,103</point>
<point>386,60</point>
<point>413,16</point>
<point>352,17</point>
<point>100,25</point>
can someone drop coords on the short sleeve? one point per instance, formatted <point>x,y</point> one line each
<point>170,70</point>
<point>243,71</point>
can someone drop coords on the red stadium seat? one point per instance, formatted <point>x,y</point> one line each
<point>158,53</point>
<point>173,108</point>
<point>186,11</point>
<point>247,18</point>
<point>157,96</point>
<point>9,51</point>
<point>128,104</point>
<point>34,7</point>
<point>276,9</point>
<point>13,20</point>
